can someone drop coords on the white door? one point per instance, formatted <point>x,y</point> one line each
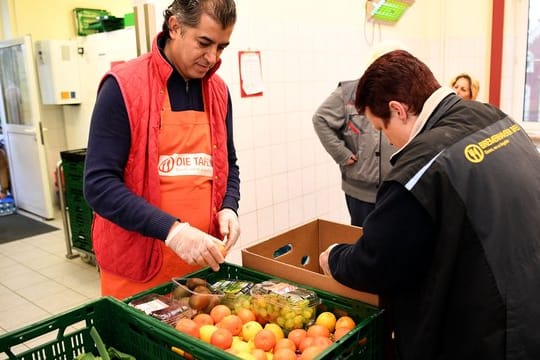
<point>22,128</point>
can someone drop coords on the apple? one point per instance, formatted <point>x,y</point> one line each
<point>240,346</point>
<point>206,331</point>
<point>250,329</point>
<point>276,329</point>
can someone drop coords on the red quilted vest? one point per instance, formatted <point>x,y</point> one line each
<point>143,82</point>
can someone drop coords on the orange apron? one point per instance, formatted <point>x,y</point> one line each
<point>185,169</point>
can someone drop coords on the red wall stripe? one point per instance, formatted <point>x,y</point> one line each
<point>495,74</point>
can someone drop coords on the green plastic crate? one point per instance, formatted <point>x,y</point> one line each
<point>79,213</point>
<point>68,334</point>
<point>364,342</point>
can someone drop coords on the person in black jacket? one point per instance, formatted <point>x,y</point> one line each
<point>453,244</point>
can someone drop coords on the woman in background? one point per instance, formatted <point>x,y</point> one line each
<point>465,86</point>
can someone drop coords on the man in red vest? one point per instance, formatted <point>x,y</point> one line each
<point>160,171</point>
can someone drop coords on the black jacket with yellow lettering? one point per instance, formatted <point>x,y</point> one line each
<point>454,240</point>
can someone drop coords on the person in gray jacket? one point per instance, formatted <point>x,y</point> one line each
<point>356,146</point>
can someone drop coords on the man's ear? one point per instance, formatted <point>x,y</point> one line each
<point>174,26</point>
<point>398,108</point>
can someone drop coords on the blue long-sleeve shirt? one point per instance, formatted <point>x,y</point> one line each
<point>107,154</point>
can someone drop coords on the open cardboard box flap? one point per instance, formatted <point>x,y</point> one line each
<point>294,255</point>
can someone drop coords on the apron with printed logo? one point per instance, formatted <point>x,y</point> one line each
<point>185,171</point>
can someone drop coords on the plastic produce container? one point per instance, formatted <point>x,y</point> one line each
<point>237,293</point>
<point>289,306</point>
<point>196,293</point>
<point>163,307</point>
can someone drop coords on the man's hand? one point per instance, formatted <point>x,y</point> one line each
<point>323,260</point>
<point>194,246</point>
<point>229,227</point>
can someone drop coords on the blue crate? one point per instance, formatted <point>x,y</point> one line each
<point>7,206</point>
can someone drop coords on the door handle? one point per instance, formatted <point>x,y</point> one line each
<point>41,133</point>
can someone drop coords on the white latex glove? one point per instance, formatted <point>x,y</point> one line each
<point>229,227</point>
<point>194,246</point>
<point>323,260</point>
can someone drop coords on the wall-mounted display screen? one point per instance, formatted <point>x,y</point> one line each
<point>389,11</point>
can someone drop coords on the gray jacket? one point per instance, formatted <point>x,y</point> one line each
<point>343,132</point>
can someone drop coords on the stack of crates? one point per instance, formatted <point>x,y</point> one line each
<point>79,213</point>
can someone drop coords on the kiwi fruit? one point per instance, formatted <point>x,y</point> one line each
<point>180,292</point>
<point>214,300</point>
<point>201,290</point>
<point>199,301</point>
<point>192,283</point>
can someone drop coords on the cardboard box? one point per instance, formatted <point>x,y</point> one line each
<point>294,255</point>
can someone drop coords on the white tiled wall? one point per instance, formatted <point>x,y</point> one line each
<point>306,48</point>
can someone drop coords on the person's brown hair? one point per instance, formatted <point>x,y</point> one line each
<point>188,12</point>
<point>474,85</point>
<point>397,76</point>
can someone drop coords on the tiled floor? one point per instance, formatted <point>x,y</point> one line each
<point>37,280</point>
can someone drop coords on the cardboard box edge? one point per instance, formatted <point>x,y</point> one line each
<point>298,275</point>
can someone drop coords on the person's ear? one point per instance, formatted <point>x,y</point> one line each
<point>398,108</point>
<point>174,26</point>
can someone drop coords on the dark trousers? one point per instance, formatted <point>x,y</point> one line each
<point>358,210</point>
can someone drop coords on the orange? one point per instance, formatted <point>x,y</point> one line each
<point>231,322</point>
<point>265,340</point>
<point>188,326</point>
<point>284,354</point>
<point>222,338</point>
<point>340,331</point>
<point>285,344</point>
<point>345,321</point>
<point>203,319</point>
<point>259,354</point>
<point>219,311</point>
<point>326,319</point>
<point>305,343</point>
<point>221,248</point>
<point>318,330</point>
<point>245,314</point>
<point>297,335</point>
<point>311,352</point>
<point>322,341</point>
